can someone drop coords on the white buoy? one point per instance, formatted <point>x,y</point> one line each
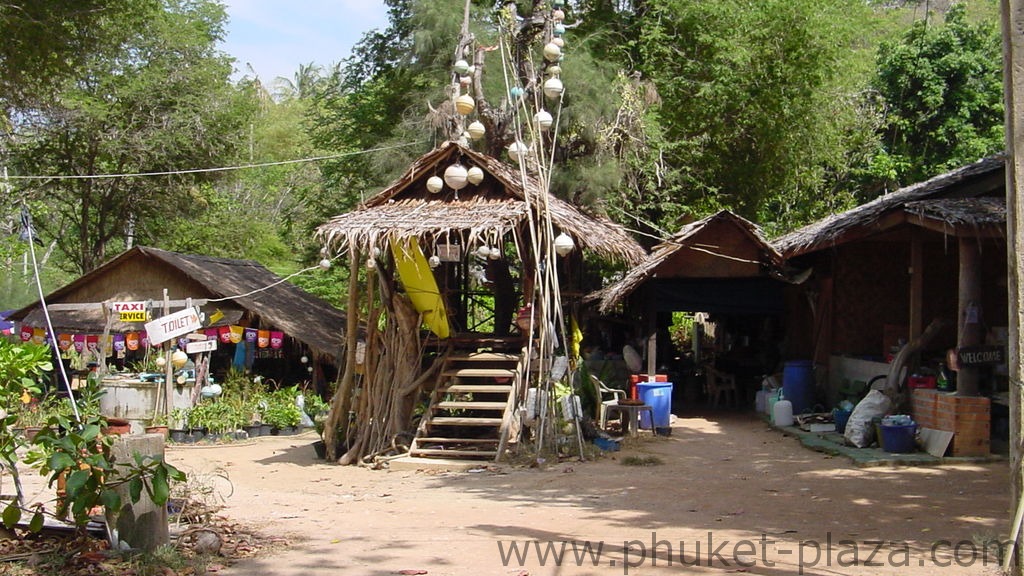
<point>434,184</point>
<point>518,150</point>
<point>455,177</point>
<point>475,175</point>
<point>543,119</point>
<point>553,87</point>
<point>476,130</point>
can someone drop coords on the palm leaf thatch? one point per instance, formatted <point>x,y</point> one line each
<point>932,199</point>
<point>499,205</point>
<point>667,259</point>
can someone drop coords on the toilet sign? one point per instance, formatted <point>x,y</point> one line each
<point>166,327</point>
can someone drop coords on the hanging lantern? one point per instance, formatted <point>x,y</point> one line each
<point>434,261</point>
<point>558,41</point>
<point>178,359</point>
<point>552,52</point>
<point>465,104</point>
<point>553,87</point>
<point>517,150</point>
<point>543,119</point>
<point>564,244</point>
<point>557,15</point>
<point>455,177</point>
<point>475,175</point>
<point>461,67</point>
<point>516,92</point>
<point>434,184</point>
<point>476,130</point>
<point>559,29</point>
<point>553,70</point>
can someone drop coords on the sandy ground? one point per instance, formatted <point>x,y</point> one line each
<point>731,495</point>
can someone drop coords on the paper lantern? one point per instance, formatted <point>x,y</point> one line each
<point>517,150</point>
<point>475,175</point>
<point>465,104</point>
<point>178,359</point>
<point>543,119</point>
<point>553,87</point>
<point>552,52</point>
<point>461,67</point>
<point>455,177</point>
<point>564,244</point>
<point>558,15</point>
<point>434,184</point>
<point>476,130</point>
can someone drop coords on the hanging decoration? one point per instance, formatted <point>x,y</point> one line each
<point>237,333</point>
<point>475,175</point>
<point>434,184</point>
<point>263,340</point>
<point>465,104</point>
<point>64,342</point>
<point>455,177</point>
<point>131,340</point>
<point>476,130</point>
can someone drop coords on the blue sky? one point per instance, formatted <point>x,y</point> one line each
<point>275,36</point>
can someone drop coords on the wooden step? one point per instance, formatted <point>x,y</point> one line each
<point>480,373</point>
<point>443,452</point>
<point>442,440</point>
<point>456,421</point>
<point>483,357</point>
<point>456,405</point>
<point>478,388</point>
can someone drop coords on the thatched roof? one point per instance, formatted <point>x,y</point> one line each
<point>702,238</point>
<point>241,286</point>
<point>500,204</point>
<point>970,184</point>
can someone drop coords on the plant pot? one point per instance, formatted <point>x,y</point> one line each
<point>116,426</point>
<point>178,435</point>
<point>320,447</point>
<point>287,431</point>
<point>31,431</point>
<point>266,430</point>
<point>253,430</point>
<point>162,430</point>
<point>197,434</point>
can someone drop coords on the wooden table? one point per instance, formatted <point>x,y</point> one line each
<point>630,416</point>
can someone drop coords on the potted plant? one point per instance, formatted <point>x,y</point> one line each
<point>158,425</point>
<point>178,425</point>
<point>281,412</point>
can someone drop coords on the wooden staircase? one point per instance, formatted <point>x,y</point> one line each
<point>471,408</point>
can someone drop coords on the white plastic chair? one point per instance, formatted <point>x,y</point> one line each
<point>602,390</point>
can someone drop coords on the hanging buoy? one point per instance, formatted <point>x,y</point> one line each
<point>434,261</point>
<point>455,177</point>
<point>564,244</point>
<point>552,51</point>
<point>465,104</point>
<point>434,184</point>
<point>517,150</point>
<point>553,87</point>
<point>557,15</point>
<point>475,175</point>
<point>558,3</point>
<point>543,119</point>
<point>553,70</point>
<point>516,92</point>
<point>464,81</point>
<point>476,130</point>
<point>461,67</point>
<point>484,251</point>
<point>558,41</point>
<point>559,29</point>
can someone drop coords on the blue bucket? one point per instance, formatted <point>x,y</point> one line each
<point>657,395</point>
<point>798,385</point>
<point>841,417</point>
<point>898,439</point>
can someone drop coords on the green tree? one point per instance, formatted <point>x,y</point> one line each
<point>163,104</point>
<point>942,86</point>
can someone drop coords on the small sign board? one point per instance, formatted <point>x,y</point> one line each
<point>166,327</point>
<point>981,355</point>
<point>202,346</point>
<point>130,311</point>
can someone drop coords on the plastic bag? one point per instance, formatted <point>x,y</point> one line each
<point>304,420</point>
<point>859,430</point>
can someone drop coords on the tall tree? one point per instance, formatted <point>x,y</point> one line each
<point>942,87</point>
<point>163,104</point>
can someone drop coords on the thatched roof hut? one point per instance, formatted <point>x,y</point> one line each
<point>720,246</point>
<point>501,204</point>
<point>967,200</point>
<point>243,290</point>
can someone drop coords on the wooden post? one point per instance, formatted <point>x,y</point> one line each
<point>969,327</point>
<point>168,367</point>
<point>916,285</point>
<point>1013,96</point>
<point>652,339</point>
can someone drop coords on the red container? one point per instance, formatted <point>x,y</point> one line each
<point>634,378</point>
<point>921,382</point>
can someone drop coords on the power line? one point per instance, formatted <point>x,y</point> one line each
<point>205,170</point>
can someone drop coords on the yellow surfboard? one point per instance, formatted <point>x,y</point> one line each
<point>420,286</point>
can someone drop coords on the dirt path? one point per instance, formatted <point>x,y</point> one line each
<point>765,504</point>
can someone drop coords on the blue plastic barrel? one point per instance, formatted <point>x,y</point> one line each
<point>798,384</point>
<point>657,395</point>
